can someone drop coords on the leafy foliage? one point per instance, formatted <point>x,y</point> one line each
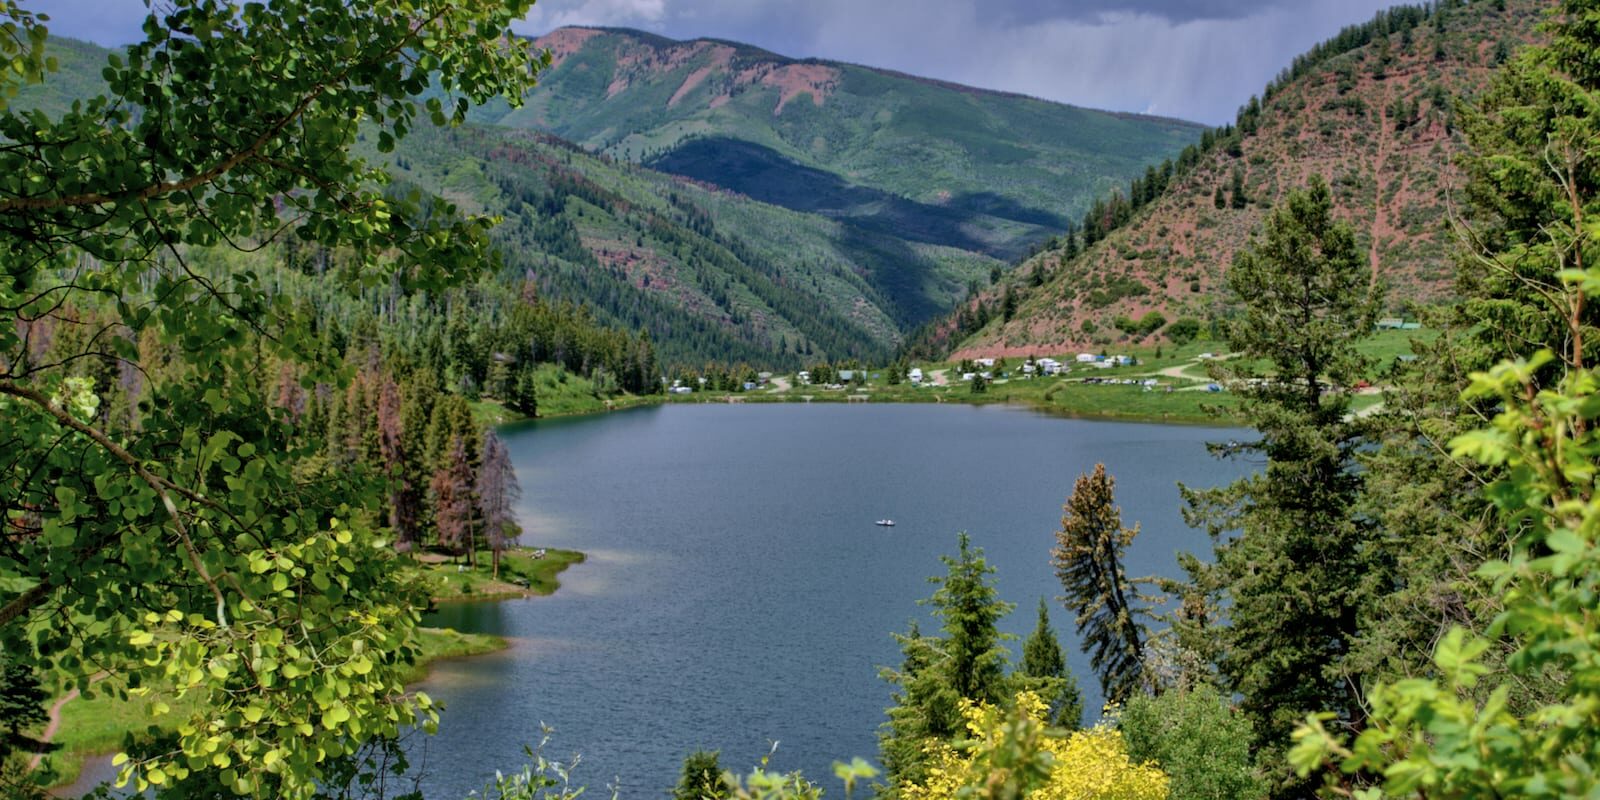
<point>1202,744</point>
<point>1009,754</point>
<point>1508,706</point>
<point>197,549</point>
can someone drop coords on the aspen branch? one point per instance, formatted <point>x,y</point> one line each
<point>155,482</point>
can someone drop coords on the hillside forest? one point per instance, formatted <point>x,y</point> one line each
<point>263,298</point>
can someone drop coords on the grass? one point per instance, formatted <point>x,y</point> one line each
<point>98,724</point>
<point>521,575</point>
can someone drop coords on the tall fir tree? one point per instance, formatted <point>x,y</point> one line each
<point>453,502</point>
<point>497,494</point>
<point>1290,583</point>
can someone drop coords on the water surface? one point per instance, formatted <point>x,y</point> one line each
<point>737,591</point>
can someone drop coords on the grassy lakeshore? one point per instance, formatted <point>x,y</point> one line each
<point>523,573</point>
<point>1179,394</point>
<point>560,394</point>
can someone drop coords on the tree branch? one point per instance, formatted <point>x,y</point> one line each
<point>155,482</point>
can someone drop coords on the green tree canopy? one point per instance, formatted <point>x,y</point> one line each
<point>1045,673</point>
<point>199,554</point>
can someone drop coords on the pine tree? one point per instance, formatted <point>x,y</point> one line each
<point>523,394</point>
<point>22,701</point>
<point>967,662</point>
<point>1044,671</point>
<point>1088,561</point>
<point>453,502</point>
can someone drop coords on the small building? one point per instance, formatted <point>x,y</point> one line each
<point>749,386</point>
<point>847,375</point>
<point>915,375</point>
<point>983,362</point>
<point>1087,358</point>
<point>1028,369</point>
<point>1049,366</point>
<point>804,377</point>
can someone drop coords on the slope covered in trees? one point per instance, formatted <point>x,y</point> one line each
<point>710,274</point>
<point>923,160</point>
<point>1373,111</point>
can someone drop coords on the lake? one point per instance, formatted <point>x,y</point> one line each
<point>737,591</point>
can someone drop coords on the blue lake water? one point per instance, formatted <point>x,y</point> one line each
<point>737,591</point>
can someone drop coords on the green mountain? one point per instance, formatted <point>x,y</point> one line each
<point>711,275</point>
<point>1372,110</point>
<point>922,160</point>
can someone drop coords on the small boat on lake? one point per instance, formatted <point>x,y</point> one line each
<point>887,523</point>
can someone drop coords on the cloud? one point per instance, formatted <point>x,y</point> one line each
<point>552,14</point>
<point>1195,59</point>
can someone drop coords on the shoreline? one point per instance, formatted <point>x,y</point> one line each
<point>1019,403</point>
<point>996,396</point>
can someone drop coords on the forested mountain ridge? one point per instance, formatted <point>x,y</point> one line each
<point>924,160</point>
<point>1373,111</point>
<point>712,275</point>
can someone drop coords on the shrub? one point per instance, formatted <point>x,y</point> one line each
<point>1009,755</point>
<point>1185,330</point>
<point>1200,743</point>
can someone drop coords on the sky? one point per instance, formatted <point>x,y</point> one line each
<point>1193,59</point>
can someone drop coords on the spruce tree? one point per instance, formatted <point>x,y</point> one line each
<point>1088,561</point>
<point>1289,583</point>
<point>968,662</point>
<point>22,701</point>
<point>1044,671</point>
<point>497,495</point>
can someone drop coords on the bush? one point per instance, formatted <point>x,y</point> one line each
<point>1199,742</point>
<point>1007,754</point>
<point>1184,331</point>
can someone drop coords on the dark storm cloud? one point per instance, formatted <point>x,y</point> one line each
<point>1195,59</point>
<point>1024,12</point>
